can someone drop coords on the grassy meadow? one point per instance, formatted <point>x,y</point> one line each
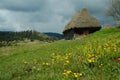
<point>95,57</point>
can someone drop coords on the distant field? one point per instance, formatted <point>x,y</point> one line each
<point>95,57</point>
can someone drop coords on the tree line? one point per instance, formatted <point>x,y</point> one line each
<point>6,37</point>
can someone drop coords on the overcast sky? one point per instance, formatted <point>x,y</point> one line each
<point>46,15</point>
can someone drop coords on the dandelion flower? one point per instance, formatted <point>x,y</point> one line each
<point>68,72</point>
<point>25,62</point>
<point>46,64</point>
<point>81,74</point>
<point>75,75</point>
<point>67,61</point>
<point>118,59</point>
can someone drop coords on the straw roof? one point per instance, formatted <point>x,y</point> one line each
<point>82,19</point>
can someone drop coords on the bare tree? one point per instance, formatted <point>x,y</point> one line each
<point>114,9</point>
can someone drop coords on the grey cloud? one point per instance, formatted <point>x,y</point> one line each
<point>96,7</point>
<point>22,5</point>
<point>46,15</point>
<point>2,19</point>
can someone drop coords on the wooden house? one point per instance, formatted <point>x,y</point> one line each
<point>118,24</point>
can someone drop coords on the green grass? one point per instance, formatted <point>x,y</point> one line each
<point>95,57</point>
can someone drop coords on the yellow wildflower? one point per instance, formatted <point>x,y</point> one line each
<point>100,65</point>
<point>115,49</point>
<point>53,61</point>
<point>38,69</point>
<point>91,60</point>
<point>66,57</point>
<point>67,72</point>
<point>53,54</point>
<point>81,74</point>
<point>43,63</point>
<point>107,44</point>
<point>67,61</point>
<point>33,67</point>
<point>35,60</point>
<point>99,47</point>
<point>76,75</point>
<point>58,57</point>
<point>118,59</point>
<point>91,55</point>
<point>25,62</point>
<point>46,64</point>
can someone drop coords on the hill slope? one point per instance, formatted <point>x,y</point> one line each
<point>29,34</point>
<point>9,38</point>
<point>95,57</point>
<point>57,35</point>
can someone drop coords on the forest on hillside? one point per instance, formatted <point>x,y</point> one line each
<point>7,37</point>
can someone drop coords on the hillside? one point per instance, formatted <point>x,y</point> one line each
<point>29,34</point>
<point>57,35</point>
<point>9,38</point>
<point>95,57</point>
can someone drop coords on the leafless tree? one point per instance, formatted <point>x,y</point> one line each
<point>114,9</point>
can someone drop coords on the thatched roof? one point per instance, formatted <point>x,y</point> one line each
<point>82,19</point>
